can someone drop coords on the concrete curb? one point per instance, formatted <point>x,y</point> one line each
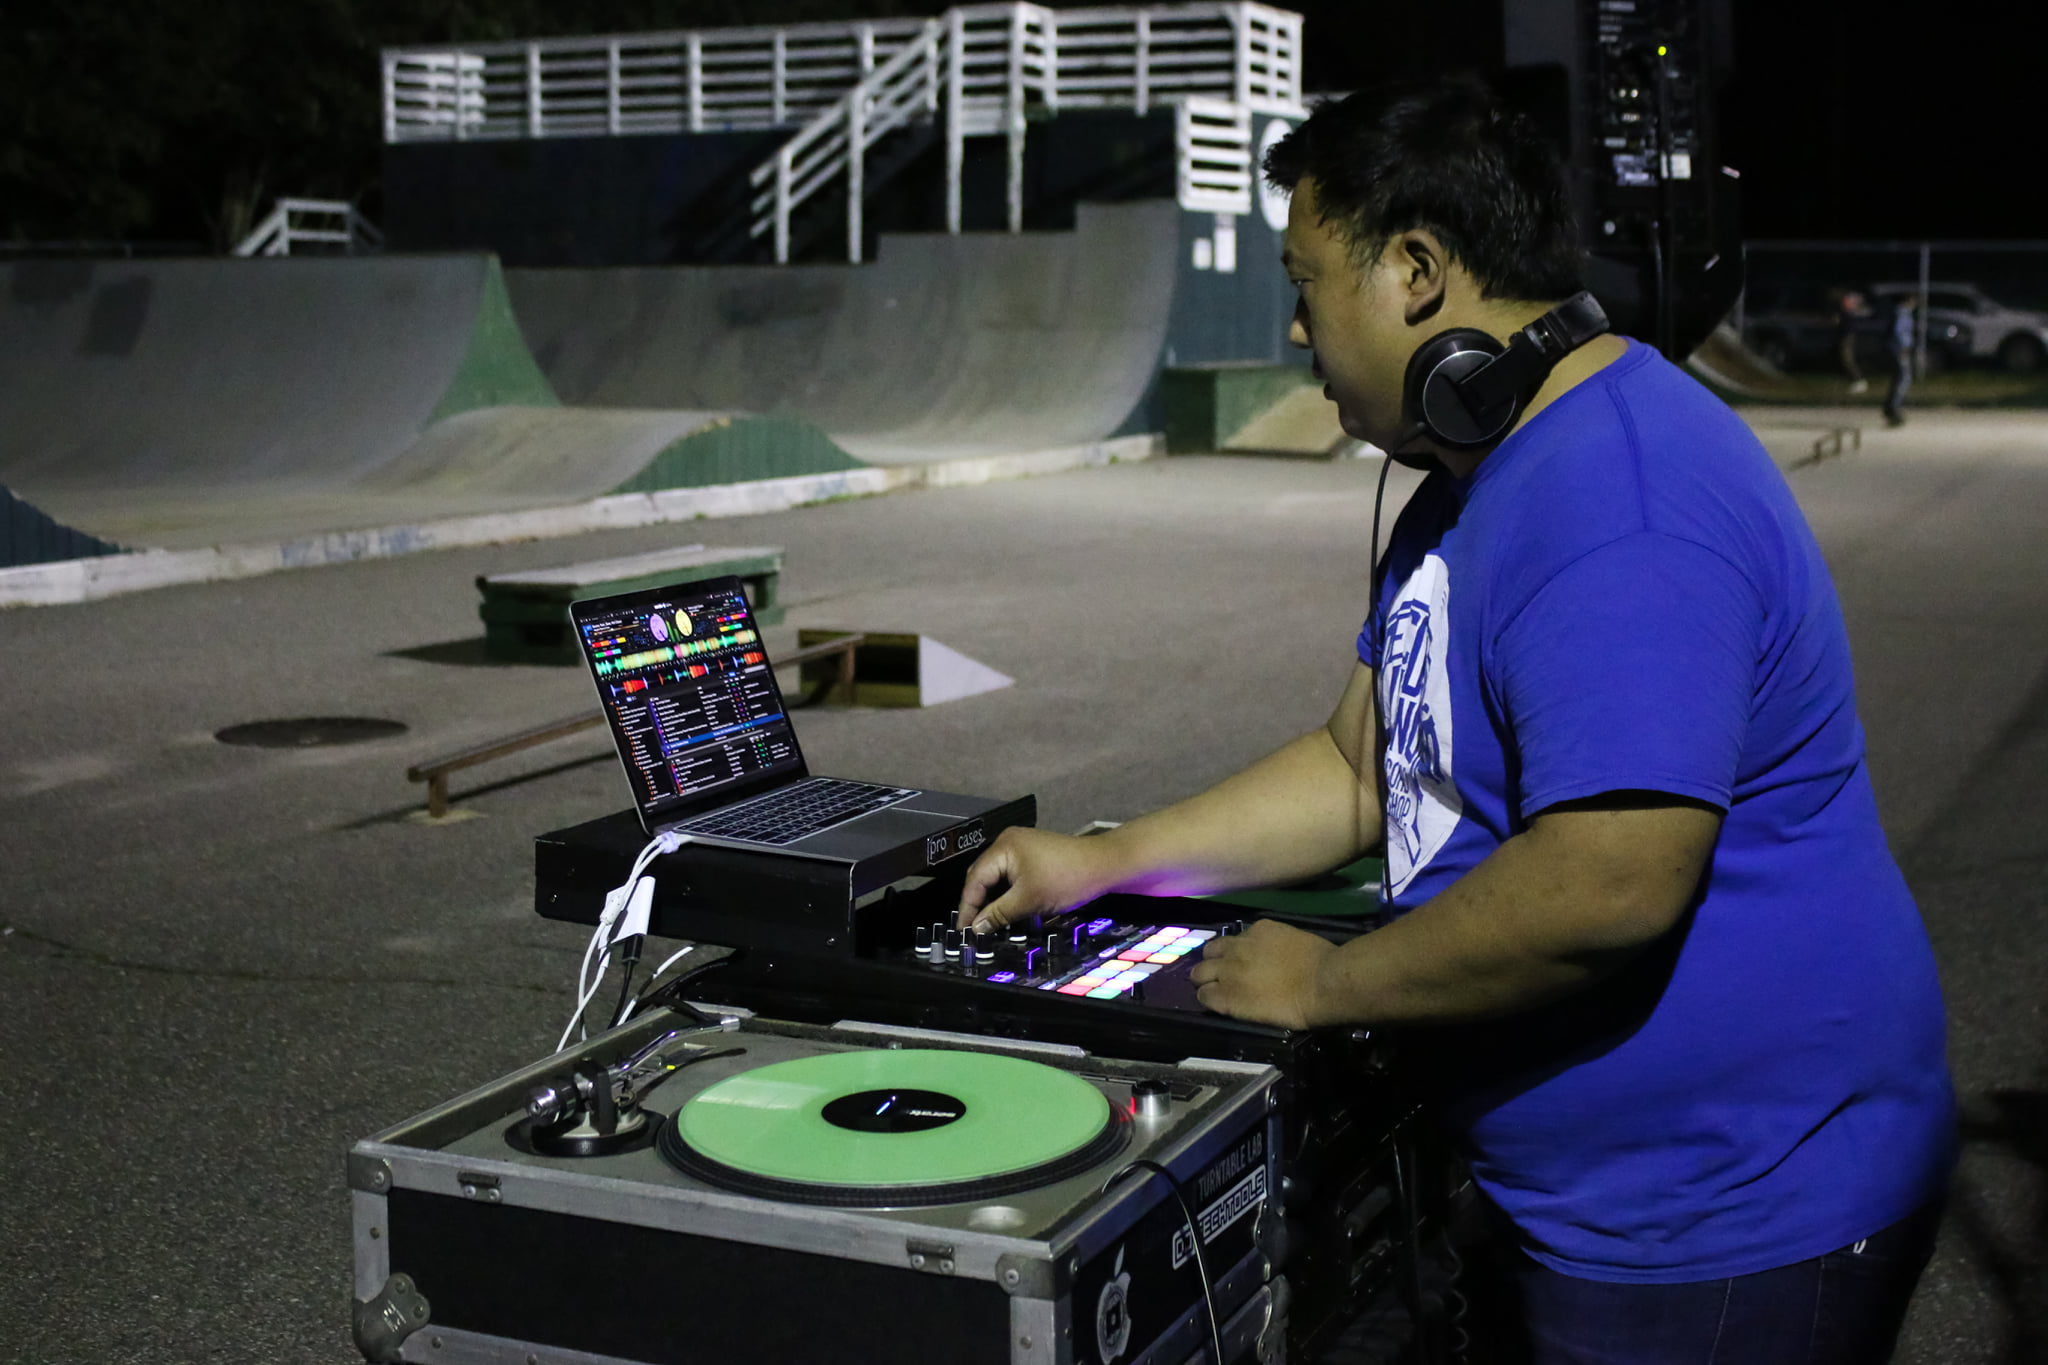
<point>84,580</point>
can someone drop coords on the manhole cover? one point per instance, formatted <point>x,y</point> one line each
<point>310,732</point>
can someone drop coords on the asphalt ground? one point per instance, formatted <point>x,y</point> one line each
<point>220,966</point>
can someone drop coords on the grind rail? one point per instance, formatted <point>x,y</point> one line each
<point>435,771</point>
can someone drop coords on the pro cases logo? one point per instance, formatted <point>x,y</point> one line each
<point>953,842</point>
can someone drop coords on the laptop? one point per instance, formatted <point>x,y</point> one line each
<point>706,740</point>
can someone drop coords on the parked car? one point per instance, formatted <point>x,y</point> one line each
<point>1795,327</point>
<point>2016,338</point>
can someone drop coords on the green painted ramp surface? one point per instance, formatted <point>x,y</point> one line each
<point>736,449</point>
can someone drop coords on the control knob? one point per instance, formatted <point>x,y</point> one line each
<point>1151,1100</point>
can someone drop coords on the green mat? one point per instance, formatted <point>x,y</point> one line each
<point>988,1115</point>
<point>1351,892</point>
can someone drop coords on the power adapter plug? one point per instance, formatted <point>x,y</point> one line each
<point>639,910</point>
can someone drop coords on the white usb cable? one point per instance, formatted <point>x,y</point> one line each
<point>627,910</point>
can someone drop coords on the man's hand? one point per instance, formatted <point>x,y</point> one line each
<point>1044,873</point>
<point>1266,974</point>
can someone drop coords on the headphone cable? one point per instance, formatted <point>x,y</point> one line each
<point>1379,720</point>
<point>1195,1241</point>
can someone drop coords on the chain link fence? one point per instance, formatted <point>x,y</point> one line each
<point>1979,309</point>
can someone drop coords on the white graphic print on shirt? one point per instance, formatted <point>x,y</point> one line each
<point>1415,702</point>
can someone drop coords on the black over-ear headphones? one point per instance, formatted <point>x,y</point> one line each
<point>1464,390</point>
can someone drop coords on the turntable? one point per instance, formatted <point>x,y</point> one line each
<point>759,1191</point>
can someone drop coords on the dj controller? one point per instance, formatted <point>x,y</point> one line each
<point>568,1214</point>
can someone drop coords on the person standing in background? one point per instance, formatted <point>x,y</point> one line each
<point>1901,343</point>
<point>1850,312</point>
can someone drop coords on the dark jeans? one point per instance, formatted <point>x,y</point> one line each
<point>1843,1308</point>
<point>1902,380</point>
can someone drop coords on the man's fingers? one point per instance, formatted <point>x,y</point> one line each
<point>990,868</point>
<point>999,911</point>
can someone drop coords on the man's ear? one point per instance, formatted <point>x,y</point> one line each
<point>1424,268</point>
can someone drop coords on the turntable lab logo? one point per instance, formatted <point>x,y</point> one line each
<point>1233,1204</point>
<point>1113,1313</point>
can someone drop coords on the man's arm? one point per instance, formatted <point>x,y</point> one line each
<point>1308,807</point>
<point>1586,887</point>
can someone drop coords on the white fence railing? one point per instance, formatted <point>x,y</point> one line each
<point>709,80</point>
<point>1212,143</point>
<point>1124,57</point>
<point>985,68</point>
<point>325,222</point>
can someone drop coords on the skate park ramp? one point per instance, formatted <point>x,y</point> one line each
<point>206,374</point>
<point>176,404</point>
<point>527,456</point>
<point>943,347</point>
<point>30,536</point>
<point>480,464</point>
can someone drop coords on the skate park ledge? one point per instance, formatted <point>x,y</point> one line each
<point>103,575</point>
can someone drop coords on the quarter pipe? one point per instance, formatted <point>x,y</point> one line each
<point>943,347</point>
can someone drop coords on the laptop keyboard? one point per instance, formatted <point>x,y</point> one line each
<point>795,812</point>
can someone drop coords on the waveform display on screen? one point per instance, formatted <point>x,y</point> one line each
<point>614,662</point>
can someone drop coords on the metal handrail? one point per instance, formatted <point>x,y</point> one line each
<point>625,84</point>
<point>763,77</point>
<point>985,67</point>
<point>1002,59</point>
<point>276,234</point>
<point>890,98</point>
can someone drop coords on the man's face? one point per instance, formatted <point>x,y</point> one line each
<point>1353,317</point>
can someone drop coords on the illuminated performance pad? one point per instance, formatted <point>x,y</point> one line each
<point>1094,959</point>
<point>1117,970</point>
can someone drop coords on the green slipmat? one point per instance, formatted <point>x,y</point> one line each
<point>1014,1115</point>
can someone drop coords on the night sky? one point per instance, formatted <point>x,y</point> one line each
<point>1859,120</point>
<point>167,120</point>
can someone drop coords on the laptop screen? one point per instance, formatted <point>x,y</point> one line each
<point>689,693</point>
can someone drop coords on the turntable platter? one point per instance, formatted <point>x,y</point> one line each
<point>901,1126</point>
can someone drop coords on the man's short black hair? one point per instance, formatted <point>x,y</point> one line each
<point>1445,155</point>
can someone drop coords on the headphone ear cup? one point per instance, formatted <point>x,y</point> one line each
<point>1434,405</point>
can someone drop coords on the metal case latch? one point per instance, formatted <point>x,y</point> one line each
<point>934,1258</point>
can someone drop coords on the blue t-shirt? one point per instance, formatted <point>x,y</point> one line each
<point>1625,596</point>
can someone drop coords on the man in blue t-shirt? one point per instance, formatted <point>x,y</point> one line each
<point>1675,994</point>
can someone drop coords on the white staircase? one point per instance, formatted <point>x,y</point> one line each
<point>981,70</point>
